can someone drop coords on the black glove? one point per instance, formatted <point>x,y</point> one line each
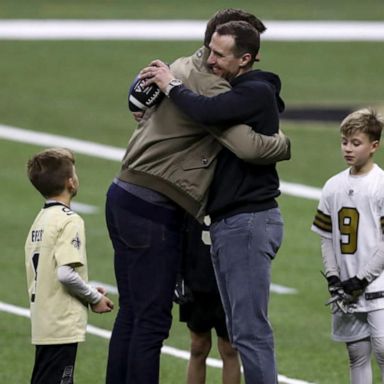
<point>182,293</point>
<point>334,285</point>
<point>354,286</point>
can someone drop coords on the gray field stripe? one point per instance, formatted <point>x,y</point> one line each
<point>28,29</point>
<point>113,153</point>
<point>105,334</point>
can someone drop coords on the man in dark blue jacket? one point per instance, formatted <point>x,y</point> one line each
<point>247,227</point>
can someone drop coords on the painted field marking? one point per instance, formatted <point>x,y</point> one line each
<point>282,290</point>
<point>105,334</point>
<point>46,140</point>
<point>279,289</point>
<point>28,29</point>
<point>84,208</point>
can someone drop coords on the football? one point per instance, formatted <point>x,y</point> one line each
<point>141,97</point>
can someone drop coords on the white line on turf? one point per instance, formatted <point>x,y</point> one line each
<point>84,208</point>
<point>183,30</point>
<point>46,139</point>
<point>276,288</point>
<point>113,153</point>
<point>105,334</point>
<point>282,290</point>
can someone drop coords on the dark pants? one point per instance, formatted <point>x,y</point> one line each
<point>54,364</point>
<point>146,241</point>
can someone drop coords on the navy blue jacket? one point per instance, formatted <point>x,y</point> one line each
<point>255,100</point>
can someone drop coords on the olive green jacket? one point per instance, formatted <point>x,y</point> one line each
<point>173,155</point>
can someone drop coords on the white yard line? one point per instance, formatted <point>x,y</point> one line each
<point>114,153</point>
<point>46,139</point>
<point>282,290</point>
<point>84,208</point>
<point>105,334</point>
<point>28,29</point>
<point>275,288</point>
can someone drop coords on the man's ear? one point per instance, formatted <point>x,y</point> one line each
<point>245,60</point>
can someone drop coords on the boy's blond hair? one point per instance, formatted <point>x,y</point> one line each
<point>49,170</point>
<point>365,120</point>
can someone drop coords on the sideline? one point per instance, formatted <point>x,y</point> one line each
<point>114,153</point>
<point>105,334</point>
<point>28,29</point>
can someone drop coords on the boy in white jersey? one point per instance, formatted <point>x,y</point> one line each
<point>56,268</point>
<point>350,221</point>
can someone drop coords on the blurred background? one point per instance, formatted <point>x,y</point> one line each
<point>78,89</point>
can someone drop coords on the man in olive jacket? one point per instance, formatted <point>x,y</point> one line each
<point>167,169</point>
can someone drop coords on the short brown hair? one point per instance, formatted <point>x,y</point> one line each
<point>49,170</point>
<point>231,14</point>
<point>247,38</point>
<point>365,120</point>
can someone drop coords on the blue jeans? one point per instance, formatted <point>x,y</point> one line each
<point>243,247</point>
<point>146,242</point>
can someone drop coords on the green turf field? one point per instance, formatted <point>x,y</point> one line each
<point>200,9</point>
<point>78,89</point>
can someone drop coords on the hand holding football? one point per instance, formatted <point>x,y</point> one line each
<point>142,96</point>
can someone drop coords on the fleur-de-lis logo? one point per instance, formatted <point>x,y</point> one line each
<point>76,241</point>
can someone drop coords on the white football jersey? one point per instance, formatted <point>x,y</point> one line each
<point>351,214</point>
<point>56,238</point>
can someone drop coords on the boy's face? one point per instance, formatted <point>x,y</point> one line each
<point>357,149</point>
<point>74,183</point>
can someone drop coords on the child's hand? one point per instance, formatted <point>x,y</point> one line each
<point>104,305</point>
<point>102,290</point>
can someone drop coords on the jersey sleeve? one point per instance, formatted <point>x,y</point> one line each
<point>381,213</point>
<point>322,223</point>
<point>76,285</point>
<point>70,246</point>
<point>329,258</point>
<point>375,265</point>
